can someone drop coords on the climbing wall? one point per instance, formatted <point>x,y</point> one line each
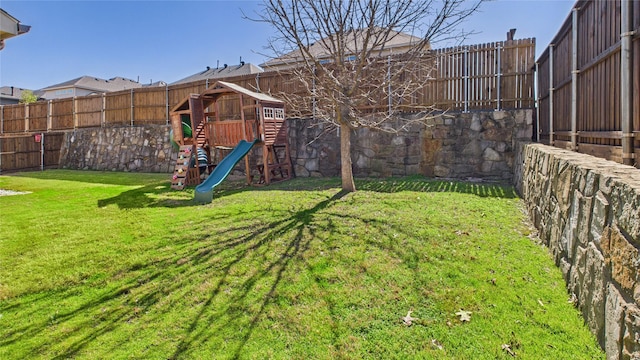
<point>181,171</point>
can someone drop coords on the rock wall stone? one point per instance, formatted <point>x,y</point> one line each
<point>136,149</point>
<point>587,211</point>
<point>463,145</point>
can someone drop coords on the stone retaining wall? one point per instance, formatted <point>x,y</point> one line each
<point>462,145</point>
<point>138,149</point>
<point>587,211</point>
<point>478,145</point>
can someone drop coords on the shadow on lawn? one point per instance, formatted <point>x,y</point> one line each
<point>299,244</point>
<point>419,184</point>
<point>139,293</point>
<point>161,195</point>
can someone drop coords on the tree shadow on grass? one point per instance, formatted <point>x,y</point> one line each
<point>154,195</point>
<point>138,293</point>
<point>161,195</point>
<point>295,248</point>
<point>420,184</point>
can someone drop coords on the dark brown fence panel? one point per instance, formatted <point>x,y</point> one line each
<point>38,114</point>
<point>543,69</point>
<point>562,90</point>
<point>597,74</point>
<point>13,118</point>
<point>20,153</point>
<point>117,109</point>
<point>89,110</point>
<point>62,112</point>
<point>150,106</point>
<point>23,152</point>
<point>52,145</point>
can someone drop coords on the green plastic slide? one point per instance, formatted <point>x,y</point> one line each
<point>204,191</point>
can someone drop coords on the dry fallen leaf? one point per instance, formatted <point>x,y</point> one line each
<point>464,315</point>
<point>408,320</point>
<point>436,344</point>
<point>507,348</point>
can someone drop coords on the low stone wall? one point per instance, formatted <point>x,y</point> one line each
<point>138,149</point>
<point>462,145</point>
<point>587,211</point>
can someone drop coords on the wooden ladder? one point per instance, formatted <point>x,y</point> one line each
<point>181,171</point>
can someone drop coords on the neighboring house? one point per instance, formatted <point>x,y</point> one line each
<point>397,44</point>
<point>10,27</point>
<point>89,85</point>
<point>221,72</point>
<point>10,95</point>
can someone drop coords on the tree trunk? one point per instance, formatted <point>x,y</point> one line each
<point>345,157</point>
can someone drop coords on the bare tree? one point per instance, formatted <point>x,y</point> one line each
<point>337,48</point>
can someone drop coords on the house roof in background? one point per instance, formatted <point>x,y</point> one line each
<point>353,41</point>
<point>12,92</point>
<point>94,83</point>
<point>222,72</point>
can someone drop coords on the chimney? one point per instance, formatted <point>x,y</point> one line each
<point>510,34</point>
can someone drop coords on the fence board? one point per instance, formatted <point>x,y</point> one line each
<point>13,118</point>
<point>150,105</point>
<point>38,113</point>
<point>117,109</point>
<point>89,111</point>
<point>62,111</point>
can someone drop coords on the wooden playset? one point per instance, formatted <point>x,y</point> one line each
<point>207,126</point>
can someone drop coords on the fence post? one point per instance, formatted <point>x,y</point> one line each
<point>49,118</point>
<point>551,94</point>
<point>131,107</point>
<point>26,117</point>
<point>103,111</point>
<point>574,80</point>
<point>1,120</point>
<point>166,102</point>
<point>499,76</point>
<point>41,151</point>
<point>625,83</point>
<point>465,69</point>
<point>74,105</point>
<point>537,101</point>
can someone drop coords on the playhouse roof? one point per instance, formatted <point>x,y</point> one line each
<point>223,87</point>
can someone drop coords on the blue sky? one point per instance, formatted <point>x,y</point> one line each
<point>169,40</point>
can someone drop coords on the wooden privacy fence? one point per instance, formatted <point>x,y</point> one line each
<point>478,77</point>
<point>30,152</point>
<point>589,82</point>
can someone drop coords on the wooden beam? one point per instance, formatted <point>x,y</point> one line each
<point>601,134</point>
<point>613,153</point>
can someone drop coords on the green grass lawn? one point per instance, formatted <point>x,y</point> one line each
<point>112,265</point>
